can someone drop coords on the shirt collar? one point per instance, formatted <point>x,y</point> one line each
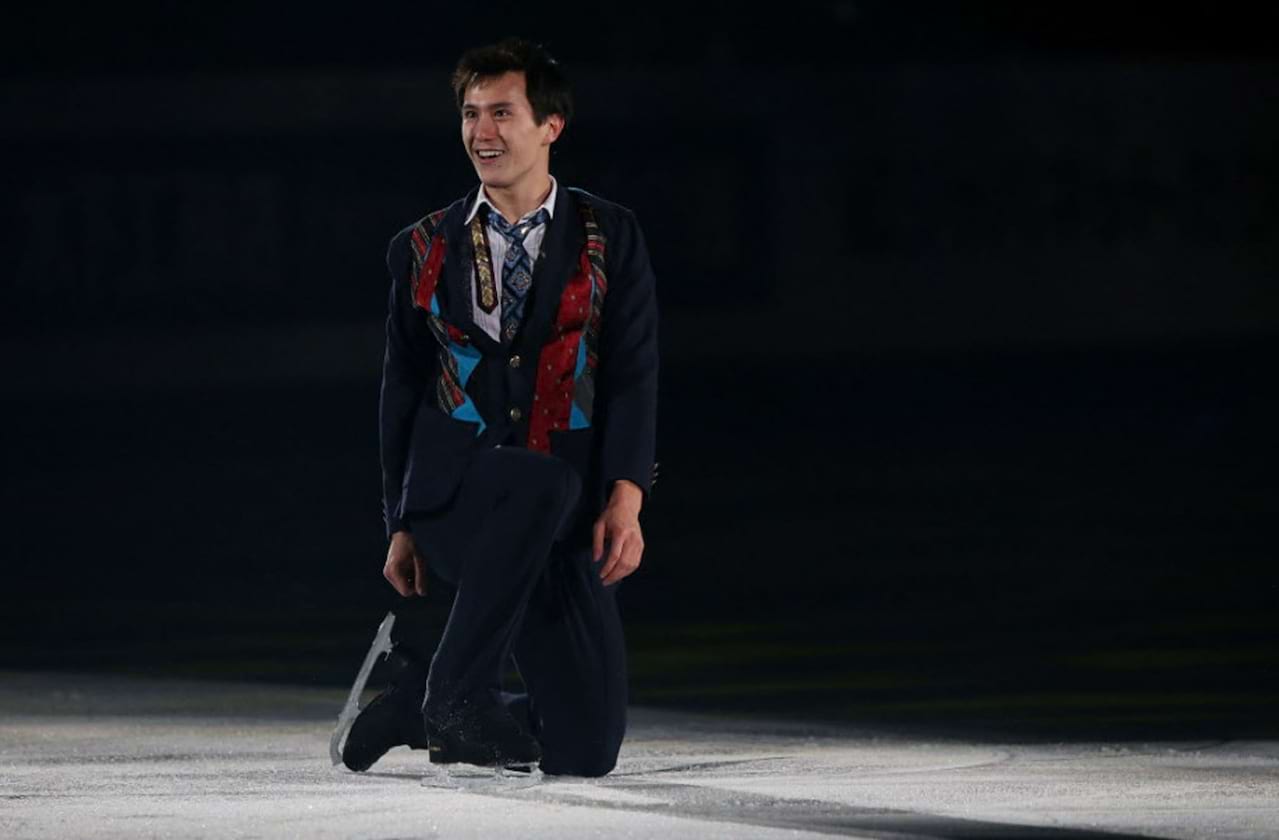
<point>482,198</point>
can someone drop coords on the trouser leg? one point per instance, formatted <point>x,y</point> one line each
<point>493,543</point>
<point>571,654</point>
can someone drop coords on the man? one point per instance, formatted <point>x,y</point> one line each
<point>518,429</point>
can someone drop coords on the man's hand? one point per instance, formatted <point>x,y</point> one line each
<point>619,525</point>
<point>405,568</point>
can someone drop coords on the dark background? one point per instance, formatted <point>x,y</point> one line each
<point>969,331</point>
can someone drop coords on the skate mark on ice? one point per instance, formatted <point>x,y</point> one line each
<point>719,805</point>
<point>697,765</point>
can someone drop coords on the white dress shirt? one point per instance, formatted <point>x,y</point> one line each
<point>491,322</point>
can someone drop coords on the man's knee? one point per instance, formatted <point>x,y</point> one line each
<point>541,479</point>
<point>557,489</point>
<point>597,759</point>
<point>588,746</point>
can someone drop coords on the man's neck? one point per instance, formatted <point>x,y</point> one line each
<point>515,201</point>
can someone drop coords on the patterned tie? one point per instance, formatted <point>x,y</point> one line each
<point>517,268</point>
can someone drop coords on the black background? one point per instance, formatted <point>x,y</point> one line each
<point>969,330</point>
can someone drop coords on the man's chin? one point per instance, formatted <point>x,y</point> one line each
<point>493,179</point>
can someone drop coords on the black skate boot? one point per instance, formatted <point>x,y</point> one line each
<point>477,729</point>
<point>393,718</point>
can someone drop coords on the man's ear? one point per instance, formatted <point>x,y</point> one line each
<point>556,123</point>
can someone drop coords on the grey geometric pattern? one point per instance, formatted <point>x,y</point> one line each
<point>517,268</point>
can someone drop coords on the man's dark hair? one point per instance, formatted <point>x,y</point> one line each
<point>547,88</point>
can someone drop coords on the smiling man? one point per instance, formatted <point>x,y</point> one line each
<point>518,430</point>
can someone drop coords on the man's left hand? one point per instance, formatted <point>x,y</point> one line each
<point>619,526</point>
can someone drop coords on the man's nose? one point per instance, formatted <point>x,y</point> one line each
<point>485,126</point>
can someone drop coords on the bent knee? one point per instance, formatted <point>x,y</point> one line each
<point>598,762</point>
<point>558,486</point>
<point>589,747</point>
<point>541,475</point>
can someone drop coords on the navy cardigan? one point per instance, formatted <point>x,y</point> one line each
<point>424,451</point>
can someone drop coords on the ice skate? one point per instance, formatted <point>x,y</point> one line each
<point>479,731</point>
<point>393,718</point>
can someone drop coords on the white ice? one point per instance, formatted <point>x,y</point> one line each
<point>95,756</point>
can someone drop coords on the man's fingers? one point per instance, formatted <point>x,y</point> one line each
<point>397,580</point>
<point>404,569</point>
<point>598,540</point>
<point>419,574</point>
<point>629,561</point>
<point>614,555</point>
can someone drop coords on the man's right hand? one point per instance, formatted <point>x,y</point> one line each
<point>405,568</point>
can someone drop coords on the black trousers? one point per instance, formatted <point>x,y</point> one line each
<point>513,545</point>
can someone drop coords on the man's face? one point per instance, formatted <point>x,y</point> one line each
<point>497,117</point>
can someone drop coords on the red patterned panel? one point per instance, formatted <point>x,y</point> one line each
<point>428,272</point>
<point>553,394</point>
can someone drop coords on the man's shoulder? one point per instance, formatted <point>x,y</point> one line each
<point>426,225</point>
<point>620,226</point>
<point>617,220</point>
<point>610,213</point>
<point>430,221</point>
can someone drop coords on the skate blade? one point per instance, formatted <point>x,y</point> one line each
<point>346,718</point>
<point>474,777</point>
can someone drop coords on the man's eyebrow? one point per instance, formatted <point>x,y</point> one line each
<point>494,105</point>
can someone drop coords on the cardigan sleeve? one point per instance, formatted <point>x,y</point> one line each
<point>629,361</point>
<point>407,369</point>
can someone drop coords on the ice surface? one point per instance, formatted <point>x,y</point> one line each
<point>92,756</point>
